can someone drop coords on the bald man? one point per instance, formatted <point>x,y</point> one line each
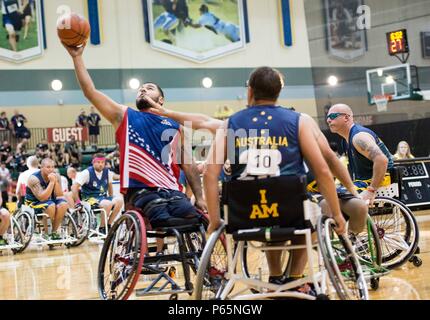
<point>368,157</point>
<point>44,192</point>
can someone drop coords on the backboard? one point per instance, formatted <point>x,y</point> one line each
<point>394,82</point>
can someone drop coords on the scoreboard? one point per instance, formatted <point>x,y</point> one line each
<point>397,42</point>
<point>415,191</point>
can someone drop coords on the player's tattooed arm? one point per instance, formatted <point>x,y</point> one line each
<point>37,189</point>
<point>366,145</point>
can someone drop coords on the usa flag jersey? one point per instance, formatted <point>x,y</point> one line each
<point>148,151</point>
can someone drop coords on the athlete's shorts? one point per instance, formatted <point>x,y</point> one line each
<point>42,205</point>
<point>95,201</point>
<point>13,20</point>
<point>160,205</point>
<point>166,21</point>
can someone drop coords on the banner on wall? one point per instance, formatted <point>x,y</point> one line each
<point>21,30</point>
<point>345,40</point>
<point>61,135</point>
<point>286,23</point>
<point>196,30</point>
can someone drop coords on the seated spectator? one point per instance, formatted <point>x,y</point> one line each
<point>403,151</point>
<point>72,149</point>
<point>42,150</point>
<point>6,155</point>
<point>21,148</point>
<point>4,127</point>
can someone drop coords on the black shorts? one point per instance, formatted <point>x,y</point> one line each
<point>160,205</point>
<point>27,10</point>
<point>14,19</point>
<point>94,131</point>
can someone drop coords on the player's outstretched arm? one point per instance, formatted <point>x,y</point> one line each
<point>111,110</point>
<point>197,120</point>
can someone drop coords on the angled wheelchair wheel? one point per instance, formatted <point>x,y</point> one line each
<point>341,262</point>
<point>397,230</point>
<point>122,256</point>
<point>69,229</point>
<point>195,242</point>
<point>26,224</point>
<point>211,275</point>
<point>18,235</point>
<point>368,246</point>
<point>82,220</point>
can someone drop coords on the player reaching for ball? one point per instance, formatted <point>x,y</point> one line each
<point>148,145</point>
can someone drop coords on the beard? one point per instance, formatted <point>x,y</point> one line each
<point>142,104</point>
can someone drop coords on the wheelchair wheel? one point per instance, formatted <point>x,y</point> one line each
<point>397,230</point>
<point>82,219</point>
<point>122,257</point>
<point>26,223</point>
<point>196,242</point>
<point>210,279</point>
<point>341,262</point>
<point>69,229</point>
<point>18,235</point>
<point>368,246</point>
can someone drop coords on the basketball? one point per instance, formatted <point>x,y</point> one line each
<point>73,29</point>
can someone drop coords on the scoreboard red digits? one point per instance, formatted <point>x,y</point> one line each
<point>397,42</point>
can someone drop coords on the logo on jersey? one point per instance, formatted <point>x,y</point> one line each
<point>166,123</point>
<point>263,210</point>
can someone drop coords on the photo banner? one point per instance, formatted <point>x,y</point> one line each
<point>21,30</point>
<point>345,40</point>
<point>196,30</point>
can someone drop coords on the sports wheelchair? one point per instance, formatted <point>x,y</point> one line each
<point>31,222</point>
<point>88,215</point>
<point>395,225</point>
<point>281,213</point>
<point>128,256</point>
<point>14,237</point>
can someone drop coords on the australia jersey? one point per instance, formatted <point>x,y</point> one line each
<point>96,187</point>
<point>359,166</point>
<point>29,195</point>
<point>148,151</point>
<point>266,143</point>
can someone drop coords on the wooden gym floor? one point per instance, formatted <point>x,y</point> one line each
<point>39,274</point>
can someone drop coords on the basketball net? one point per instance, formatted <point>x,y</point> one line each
<point>381,102</point>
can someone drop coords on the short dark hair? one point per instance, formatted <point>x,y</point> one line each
<point>266,83</point>
<point>98,155</point>
<point>204,8</point>
<point>158,88</point>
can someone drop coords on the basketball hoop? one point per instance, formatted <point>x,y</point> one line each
<point>381,102</point>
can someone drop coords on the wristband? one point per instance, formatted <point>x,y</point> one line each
<point>371,189</point>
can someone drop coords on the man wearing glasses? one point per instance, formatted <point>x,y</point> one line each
<point>368,156</point>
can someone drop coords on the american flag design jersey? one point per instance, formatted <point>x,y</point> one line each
<point>148,151</point>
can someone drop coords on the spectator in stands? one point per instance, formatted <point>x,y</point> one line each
<point>18,125</point>
<point>4,171</point>
<point>4,127</point>
<point>42,150</point>
<point>94,127</point>
<point>403,151</point>
<point>6,155</point>
<point>72,149</point>
<point>21,148</point>
<point>82,122</point>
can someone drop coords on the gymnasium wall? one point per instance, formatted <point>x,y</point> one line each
<point>386,15</point>
<point>125,54</point>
